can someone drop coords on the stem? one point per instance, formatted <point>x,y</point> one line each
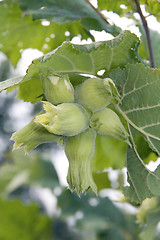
<point>99,12</point>
<point>145,25</point>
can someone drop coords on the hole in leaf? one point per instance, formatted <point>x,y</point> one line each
<point>52,35</point>
<point>94,3</point>
<point>144,150</point>
<point>45,46</point>
<point>79,215</point>
<point>42,8</point>
<point>57,191</point>
<point>47,39</point>
<point>93,202</point>
<point>45,23</point>
<point>123,6</point>
<point>101,72</point>
<point>87,75</point>
<point>67,34</point>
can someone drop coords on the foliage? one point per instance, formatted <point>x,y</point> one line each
<point>117,78</point>
<point>19,221</point>
<point>102,220</point>
<point>33,171</point>
<point>45,38</point>
<point>37,171</point>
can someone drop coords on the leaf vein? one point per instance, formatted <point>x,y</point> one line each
<point>135,126</point>
<point>66,58</point>
<point>152,146</point>
<point>150,125</point>
<point>137,89</point>
<point>93,63</point>
<point>110,62</point>
<point>141,109</point>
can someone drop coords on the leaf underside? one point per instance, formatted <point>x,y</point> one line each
<point>78,59</point>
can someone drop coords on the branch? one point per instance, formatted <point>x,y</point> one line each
<point>145,25</point>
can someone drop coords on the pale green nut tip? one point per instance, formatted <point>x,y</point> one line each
<point>107,123</point>
<point>66,119</point>
<point>57,89</point>
<point>110,85</point>
<point>31,136</point>
<point>79,151</point>
<point>96,93</point>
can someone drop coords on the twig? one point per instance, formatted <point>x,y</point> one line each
<point>145,25</point>
<point>99,12</point>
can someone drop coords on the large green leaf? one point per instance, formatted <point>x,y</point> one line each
<point>61,11</point>
<point>23,222</point>
<point>140,107</point>
<point>78,59</point>
<point>137,178</point>
<point>101,180</point>
<point>143,182</point>
<point>153,181</point>
<point>143,149</point>
<point>17,33</point>
<point>9,83</point>
<point>140,102</point>
<point>107,155</point>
